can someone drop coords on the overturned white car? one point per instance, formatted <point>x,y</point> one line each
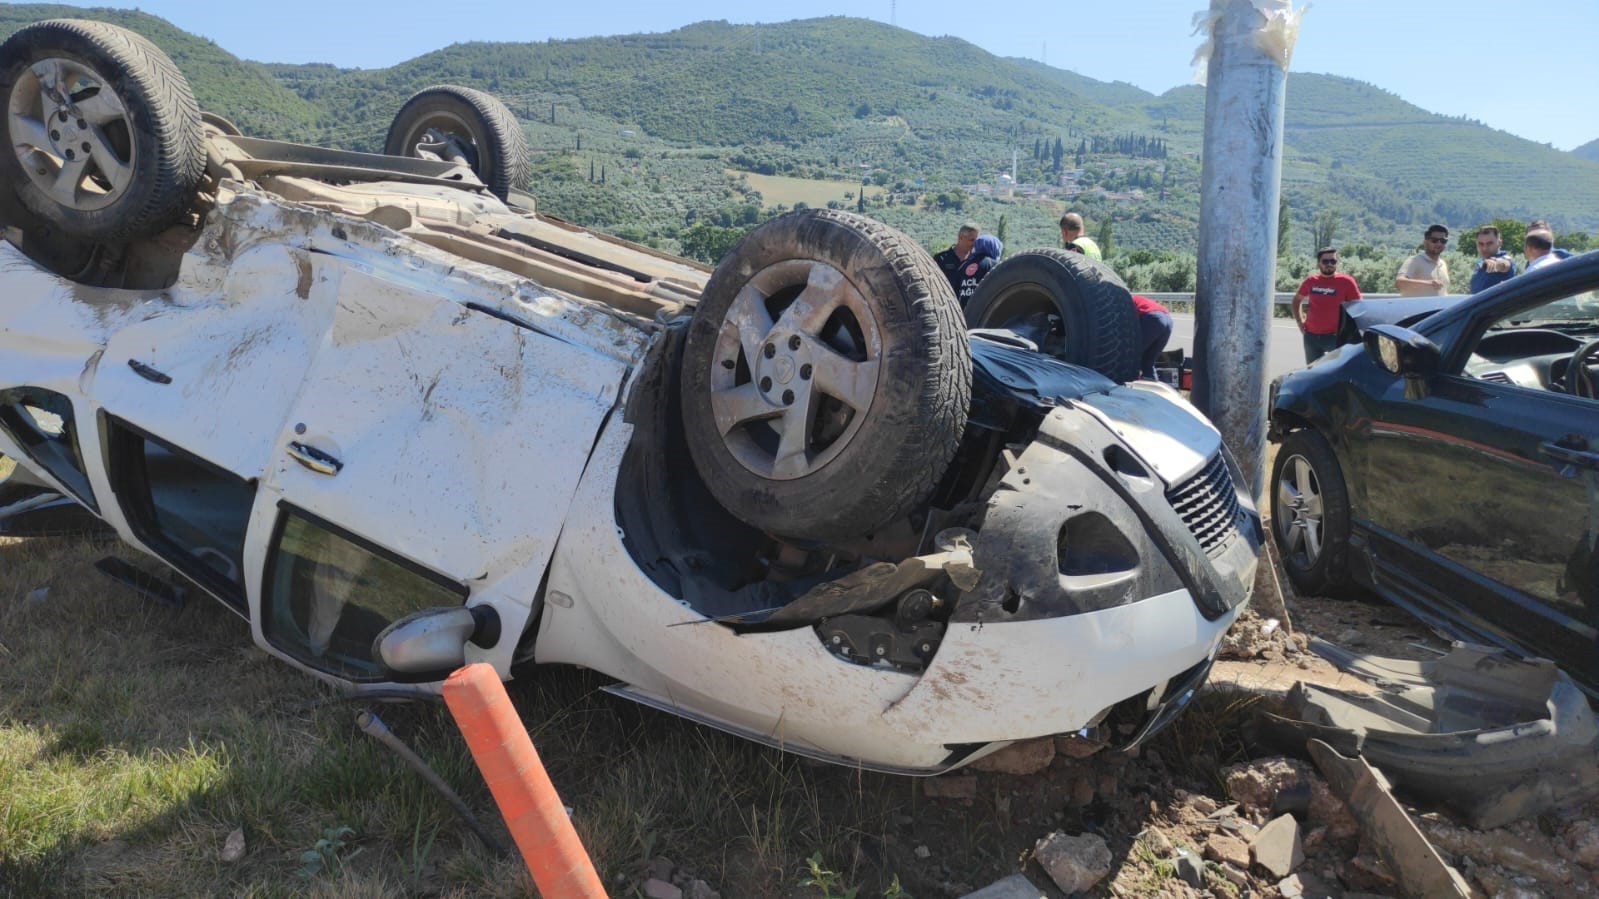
<point>398,422</point>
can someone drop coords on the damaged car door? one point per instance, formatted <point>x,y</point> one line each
<point>427,465</point>
<point>1489,470</point>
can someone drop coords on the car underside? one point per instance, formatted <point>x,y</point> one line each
<point>399,422</point>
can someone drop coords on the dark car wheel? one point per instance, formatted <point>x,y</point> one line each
<point>826,377</point>
<point>1073,307</point>
<point>450,122</point>
<point>102,134</point>
<point>1310,515</point>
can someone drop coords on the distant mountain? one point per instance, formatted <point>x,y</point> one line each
<point>244,91</point>
<point>650,131</point>
<point>1589,150</point>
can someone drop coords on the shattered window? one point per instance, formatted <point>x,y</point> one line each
<point>191,512</point>
<point>330,595</point>
<point>41,422</point>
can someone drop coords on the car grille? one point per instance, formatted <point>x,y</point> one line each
<point>1209,506</point>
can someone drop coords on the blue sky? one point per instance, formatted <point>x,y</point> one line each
<point>1534,75</point>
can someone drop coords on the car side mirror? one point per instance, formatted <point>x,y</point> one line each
<point>1401,351</point>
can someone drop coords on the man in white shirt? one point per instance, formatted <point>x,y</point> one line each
<point>1540,249</point>
<point>1426,274</point>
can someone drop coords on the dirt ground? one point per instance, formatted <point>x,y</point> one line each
<point>1204,787</point>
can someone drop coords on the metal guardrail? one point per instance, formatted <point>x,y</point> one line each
<point>1281,299</point>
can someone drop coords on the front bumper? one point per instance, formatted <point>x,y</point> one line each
<point>1083,523</point>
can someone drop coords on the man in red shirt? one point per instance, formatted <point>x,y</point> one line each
<point>1154,329</point>
<point>1324,292</point>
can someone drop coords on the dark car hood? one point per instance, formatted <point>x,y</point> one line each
<point>1354,318</point>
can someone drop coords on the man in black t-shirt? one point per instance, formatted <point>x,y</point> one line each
<point>949,261</point>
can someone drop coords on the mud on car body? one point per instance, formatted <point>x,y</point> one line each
<point>398,421</point>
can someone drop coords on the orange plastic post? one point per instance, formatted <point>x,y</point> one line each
<point>533,811</point>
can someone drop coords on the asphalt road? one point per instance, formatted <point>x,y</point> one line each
<point>1284,352</point>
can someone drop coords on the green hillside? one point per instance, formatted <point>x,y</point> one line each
<point>245,92</point>
<point>1589,150</point>
<point>647,134</point>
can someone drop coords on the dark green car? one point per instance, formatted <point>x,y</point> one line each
<point>1452,467</point>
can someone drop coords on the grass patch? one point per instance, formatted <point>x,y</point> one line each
<point>783,190</point>
<point>135,738</point>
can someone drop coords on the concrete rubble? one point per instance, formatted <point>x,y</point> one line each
<point>1075,863</point>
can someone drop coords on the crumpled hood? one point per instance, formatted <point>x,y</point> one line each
<point>1165,430</point>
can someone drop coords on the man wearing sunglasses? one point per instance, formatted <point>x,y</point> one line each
<point>1323,293</point>
<point>1426,274</point>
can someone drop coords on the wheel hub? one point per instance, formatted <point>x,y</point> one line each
<point>68,134</point>
<point>59,113</point>
<point>805,396</point>
<point>1299,498</point>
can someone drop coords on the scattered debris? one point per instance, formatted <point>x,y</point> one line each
<point>1074,863</point>
<point>233,847</point>
<point>922,852</point>
<point>1253,637</point>
<point>36,596</point>
<point>1500,848</point>
<point>1157,842</point>
<point>1022,758</point>
<point>1492,737</point>
<point>1258,784</point>
<point>1389,830</point>
<point>1189,868</point>
<point>1277,847</point>
<point>1227,850</point>
<point>1016,886</point>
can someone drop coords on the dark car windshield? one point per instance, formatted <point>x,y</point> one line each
<point>1570,314</point>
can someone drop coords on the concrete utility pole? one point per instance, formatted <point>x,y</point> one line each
<point>1250,43</point>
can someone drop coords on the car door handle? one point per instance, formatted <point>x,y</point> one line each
<point>314,459</point>
<point>1567,455</point>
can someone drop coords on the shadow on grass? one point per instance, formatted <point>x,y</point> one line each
<point>134,738</point>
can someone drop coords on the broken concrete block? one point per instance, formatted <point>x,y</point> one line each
<point>1277,848</point>
<point>1016,886</point>
<point>1228,849</point>
<point>1075,863</point>
<point>1025,757</point>
<point>1189,868</point>
<point>1257,784</point>
<point>1303,886</point>
<point>1157,842</point>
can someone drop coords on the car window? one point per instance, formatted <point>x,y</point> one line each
<point>1534,347</point>
<point>329,594</point>
<point>190,511</point>
<point>42,423</point>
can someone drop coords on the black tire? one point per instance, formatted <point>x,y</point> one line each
<point>496,146</point>
<point>1315,554</point>
<point>811,450</point>
<point>1094,324</point>
<point>147,152</point>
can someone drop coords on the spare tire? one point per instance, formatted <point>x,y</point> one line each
<point>1075,308</point>
<point>826,377</point>
<point>101,133</point>
<point>447,122</point>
